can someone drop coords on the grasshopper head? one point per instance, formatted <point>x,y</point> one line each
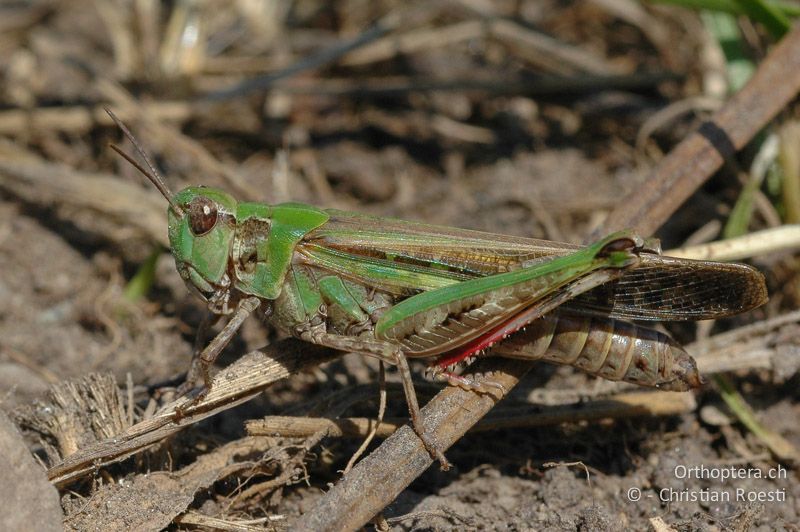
<point>202,223</point>
<point>201,232</point>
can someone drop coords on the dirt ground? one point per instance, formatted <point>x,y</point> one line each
<point>524,118</point>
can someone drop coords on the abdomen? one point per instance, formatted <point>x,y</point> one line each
<point>611,349</point>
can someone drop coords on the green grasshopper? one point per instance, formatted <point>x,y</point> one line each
<point>395,290</point>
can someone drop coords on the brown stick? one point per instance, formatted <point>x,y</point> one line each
<point>380,477</point>
<point>702,153</point>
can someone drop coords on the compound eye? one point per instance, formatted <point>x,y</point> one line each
<point>202,215</point>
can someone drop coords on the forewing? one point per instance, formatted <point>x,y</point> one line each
<point>444,319</point>
<point>671,289</point>
<point>660,288</point>
<point>473,253</point>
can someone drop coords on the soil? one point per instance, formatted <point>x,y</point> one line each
<point>77,224</point>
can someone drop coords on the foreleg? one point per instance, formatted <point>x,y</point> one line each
<point>202,362</point>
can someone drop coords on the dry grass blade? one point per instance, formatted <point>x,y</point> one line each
<point>543,87</point>
<point>329,55</point>
<point>81,119</point>
<point>215,523</point>
<point>238,383</point>
<point>726,339</point>
<point>123,203</point>
<point>621,406</point>
<point>414,41</point>
<point>549,53</point>
<point>756,244</point>
<point>401,458</point>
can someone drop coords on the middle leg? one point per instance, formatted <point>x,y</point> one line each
<point>392,354</point>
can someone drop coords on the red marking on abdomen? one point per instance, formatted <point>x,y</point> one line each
<point>487,340</point>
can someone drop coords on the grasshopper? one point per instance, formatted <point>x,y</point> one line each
<point>394,290</point>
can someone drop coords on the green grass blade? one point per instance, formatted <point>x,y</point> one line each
<point>142,281</point>
<point>739,220</point>
<point>732,7</point>
<point>777,444</point>
<point>724,28</point>
<point>776,22</point>
<point>790,165</point>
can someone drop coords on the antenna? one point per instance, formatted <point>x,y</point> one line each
<point>151,174</point>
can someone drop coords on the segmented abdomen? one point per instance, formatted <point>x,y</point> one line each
<point>612,349</point>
